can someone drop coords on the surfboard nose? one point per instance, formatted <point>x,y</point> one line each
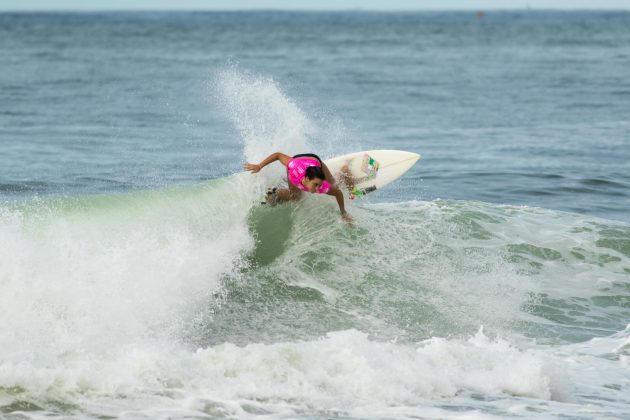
<point>404,155</point>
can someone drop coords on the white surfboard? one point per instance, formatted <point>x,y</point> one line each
<point>372,169</point>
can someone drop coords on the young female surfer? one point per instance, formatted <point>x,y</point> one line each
<point>305,172</point>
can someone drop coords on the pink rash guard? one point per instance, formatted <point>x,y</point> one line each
<point>296,171</point>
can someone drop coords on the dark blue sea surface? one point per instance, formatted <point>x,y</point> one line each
<point>523,108</point>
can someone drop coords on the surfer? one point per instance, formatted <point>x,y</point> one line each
<point>305,172</point>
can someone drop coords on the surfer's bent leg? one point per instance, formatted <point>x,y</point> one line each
<point>289,194</point>
<point>347,179</point>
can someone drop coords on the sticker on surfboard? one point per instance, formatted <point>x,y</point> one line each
<point>369,166</point>
<point>356,192</point>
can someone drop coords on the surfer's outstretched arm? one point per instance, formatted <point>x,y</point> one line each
<point>336,192</point>
<point>253,168</point>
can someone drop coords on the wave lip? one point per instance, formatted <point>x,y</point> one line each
<point>88,273</point>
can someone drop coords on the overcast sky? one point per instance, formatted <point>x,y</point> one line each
<point>309,4</point>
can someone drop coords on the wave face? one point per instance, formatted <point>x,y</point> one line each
<point>195,301</point>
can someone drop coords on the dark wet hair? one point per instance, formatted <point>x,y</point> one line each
<point>313,172</point>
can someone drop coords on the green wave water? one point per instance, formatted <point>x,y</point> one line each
<point>149,285</point>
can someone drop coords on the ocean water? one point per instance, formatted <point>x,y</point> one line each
<point>139,277</point>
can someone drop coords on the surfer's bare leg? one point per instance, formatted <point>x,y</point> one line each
<point>289,194</point>
<point>347,179</point>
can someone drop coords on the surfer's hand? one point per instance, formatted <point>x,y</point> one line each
<point>252,167</point>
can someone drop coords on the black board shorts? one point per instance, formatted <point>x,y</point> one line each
<point>312,155</point>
